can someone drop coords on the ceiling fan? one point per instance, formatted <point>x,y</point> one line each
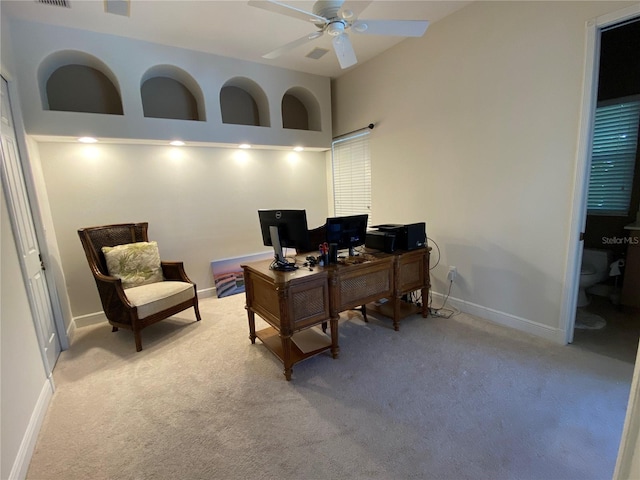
<point>336,18</point>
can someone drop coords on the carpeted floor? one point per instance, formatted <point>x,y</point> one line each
<point>455,398</point>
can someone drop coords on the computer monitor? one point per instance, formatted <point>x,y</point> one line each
<point>347,232</point>
<point>281,229</point>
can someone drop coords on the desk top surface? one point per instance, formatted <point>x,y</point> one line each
<point>303,272</point>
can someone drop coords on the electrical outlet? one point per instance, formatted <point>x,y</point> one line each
<point>453,272</point>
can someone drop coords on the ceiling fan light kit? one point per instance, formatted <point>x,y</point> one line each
<point>335,28</point>
<point>330,17</point>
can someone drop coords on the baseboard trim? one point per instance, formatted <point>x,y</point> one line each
<point>99,317</point>
<point>28,444</point>
<point>555,335</point>
<point>88,319</point>
<point>207,292</point>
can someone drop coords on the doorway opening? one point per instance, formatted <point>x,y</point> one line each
<point>607,316</point>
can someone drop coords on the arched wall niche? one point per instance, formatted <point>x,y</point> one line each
<point>301,110</point>
<point>169,92</point>
<point>243,102</point>
<point>72,80</point>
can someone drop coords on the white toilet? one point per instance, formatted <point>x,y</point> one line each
<point>595,269</point>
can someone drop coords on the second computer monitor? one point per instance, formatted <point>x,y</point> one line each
<point>347,232</point>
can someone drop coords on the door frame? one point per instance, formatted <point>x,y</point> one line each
<point>39,228</point>
<point>583,164</point>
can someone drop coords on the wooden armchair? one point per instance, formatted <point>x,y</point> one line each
<point>138,306</point>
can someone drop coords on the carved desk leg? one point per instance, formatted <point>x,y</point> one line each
<point>334,316</point>
<point>335,348</point>
<point>397,295</point>
<point>396,313</point>
<point>427,285</point>
<point>248,302</point>
<point>286,356</point>
<point>252,325</point>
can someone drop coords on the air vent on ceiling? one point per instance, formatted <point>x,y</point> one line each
<point>55,3</point>
<point>117,7</point>
<point>317,53</point>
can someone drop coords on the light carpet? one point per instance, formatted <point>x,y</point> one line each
<point>456,398</point>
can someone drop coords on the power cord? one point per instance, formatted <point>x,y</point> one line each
<point>439,312</point>
<point>438,250</point>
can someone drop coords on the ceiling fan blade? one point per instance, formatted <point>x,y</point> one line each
<point>344,50</point>
<point>291,45</point>
<point>399,28</point>
<point>284,9</point>
<point>351,9</point>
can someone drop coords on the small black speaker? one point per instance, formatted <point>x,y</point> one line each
<point>333,253</point>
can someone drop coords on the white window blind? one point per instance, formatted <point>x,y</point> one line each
<point>613,156</point>
<point>352,175</point>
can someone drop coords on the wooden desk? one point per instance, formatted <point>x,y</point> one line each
<point>294,301</point>
<point>289,302</point>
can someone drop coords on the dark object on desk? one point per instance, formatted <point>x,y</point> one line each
<point>136,307</point>
<point>333,253</point>
<point>383,241</point>
<point>408,237</point>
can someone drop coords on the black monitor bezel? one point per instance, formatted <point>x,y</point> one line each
<point>292,227</point>
<point>360,221</point>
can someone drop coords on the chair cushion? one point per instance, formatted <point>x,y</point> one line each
<point>155,297</point>
<point>134,263</point>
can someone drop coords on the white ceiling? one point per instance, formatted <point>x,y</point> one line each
<point>230,28</point>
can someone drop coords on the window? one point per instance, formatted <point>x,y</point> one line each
<point>613,156</point>
<point>352,175</point>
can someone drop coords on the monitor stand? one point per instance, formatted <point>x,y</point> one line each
<point>280,263</point>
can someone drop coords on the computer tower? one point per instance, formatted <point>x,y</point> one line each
<point>407,237</point>
<point>414,235</point>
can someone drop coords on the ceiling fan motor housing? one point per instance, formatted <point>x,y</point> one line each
<point>329,10</point>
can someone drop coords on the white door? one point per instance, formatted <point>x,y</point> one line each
<point>25,235</point>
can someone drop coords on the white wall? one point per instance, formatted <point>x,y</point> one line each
<point>477,126</point>
<point>201,202</point>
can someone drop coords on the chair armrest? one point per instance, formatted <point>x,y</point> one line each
<point>115,304</point>
<point>174,271</point>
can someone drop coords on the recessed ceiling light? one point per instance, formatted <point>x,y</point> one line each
<point>177,143</point>
<point>87,140</point>
<point>298,149</point>
<point>244,145</point>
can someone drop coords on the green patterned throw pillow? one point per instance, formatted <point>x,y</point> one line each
<point>134,263</point>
